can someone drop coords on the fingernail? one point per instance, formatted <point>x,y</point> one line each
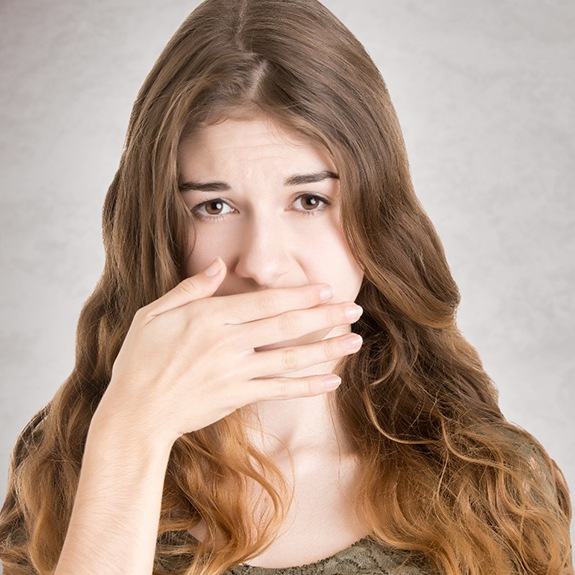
<point>331,382</point>
<point>353,311</point>
<point>352,342</point>
<point>214,267</point>
<point>326,293</point>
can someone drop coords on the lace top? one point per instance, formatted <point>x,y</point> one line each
<point>366,557</point>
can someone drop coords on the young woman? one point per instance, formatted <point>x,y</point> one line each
<point>231,408</point>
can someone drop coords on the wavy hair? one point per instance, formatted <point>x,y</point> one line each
<point>443,476</point>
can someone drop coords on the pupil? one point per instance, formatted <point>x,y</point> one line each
<point>214,207</point>
<point>310,202</point>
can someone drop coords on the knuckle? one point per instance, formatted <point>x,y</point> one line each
<point>304,387</point>
<point>188,287</point>
<point>283,389</point>
<point>267,303</point>
<point>288,323</point>
<point>331,350</point>
<point>334,315</point>
<point>289,360</point>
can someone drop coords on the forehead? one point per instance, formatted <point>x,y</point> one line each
<point>256,141</point>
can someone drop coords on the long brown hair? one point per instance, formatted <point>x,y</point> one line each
<point>444,476</point>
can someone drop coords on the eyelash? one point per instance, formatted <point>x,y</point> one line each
<point>208,217</point>
<point>324,203</point>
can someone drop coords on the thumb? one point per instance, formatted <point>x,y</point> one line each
<point>201,285</point>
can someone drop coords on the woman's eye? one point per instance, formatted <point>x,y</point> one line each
<point>310,203</point>
<point>211,208</point>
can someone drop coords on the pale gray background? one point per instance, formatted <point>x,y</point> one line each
<point>484,91</point>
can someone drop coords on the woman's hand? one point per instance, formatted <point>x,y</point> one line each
<point>189,359</point>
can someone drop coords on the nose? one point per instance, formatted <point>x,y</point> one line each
<point>263,255</point>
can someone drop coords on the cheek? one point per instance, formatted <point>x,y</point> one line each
<point>354,271</point>
<point>347,279</point>
<point>329,260</point>
<point>205,247</point>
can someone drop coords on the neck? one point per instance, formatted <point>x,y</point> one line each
<point>304,424</point>
<point>296,422</point>
<point>299,425</point>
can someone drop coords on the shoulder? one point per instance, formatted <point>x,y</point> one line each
<point>537,466</point>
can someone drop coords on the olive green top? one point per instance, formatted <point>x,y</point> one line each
<point>366,557</point>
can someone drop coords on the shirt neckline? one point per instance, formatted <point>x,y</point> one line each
<point>257,570</point>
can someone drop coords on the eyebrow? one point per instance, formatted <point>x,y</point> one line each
<point>296,180</point>
<point>208,187</point>
<point>299,180</point>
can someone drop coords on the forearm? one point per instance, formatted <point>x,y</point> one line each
<point>114,523</point>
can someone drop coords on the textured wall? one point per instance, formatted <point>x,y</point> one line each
<point>484,91</point>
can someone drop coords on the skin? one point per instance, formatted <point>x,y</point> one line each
<point>271,340</point>
<point>237,181</point>
<point>270,231</point>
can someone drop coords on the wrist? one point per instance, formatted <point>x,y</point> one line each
<point>127,435</point>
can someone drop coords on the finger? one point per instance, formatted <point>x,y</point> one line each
<point>201,285</point>
<point>295,324</point>
<point>290,388</point>
<point>293,358</point>
<point>247,307</point>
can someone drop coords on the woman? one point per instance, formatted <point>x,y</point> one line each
<point>278,423</point>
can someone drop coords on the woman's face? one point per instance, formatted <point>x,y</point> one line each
<point>267,202</point>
